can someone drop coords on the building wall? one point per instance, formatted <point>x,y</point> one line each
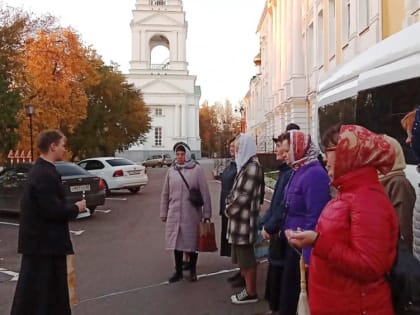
<point>393,14</point>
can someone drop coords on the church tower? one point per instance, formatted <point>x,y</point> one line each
<point>160,70</point>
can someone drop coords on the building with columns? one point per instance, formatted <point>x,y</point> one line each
<point>168,89</point>
<point>303,44</point>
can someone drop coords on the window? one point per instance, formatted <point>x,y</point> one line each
<point>363,14</point>
<point>310,47</point>
<point>158,136</point>
<point>320,39</point>
<point>158,112</point>
<point>331,26</point>
<point>345,29</point>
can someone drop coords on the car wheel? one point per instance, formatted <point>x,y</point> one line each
<point>134,190</point>
<point>92,210</point>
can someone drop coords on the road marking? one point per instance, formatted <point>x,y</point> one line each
<point>14,275</point>
<point>112,198</point>
<point>77,232</point>
<point>101,297</point>
<point>10,223</point>
<point>104,211</point>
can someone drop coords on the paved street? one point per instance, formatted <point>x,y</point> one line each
<point>121,264</point>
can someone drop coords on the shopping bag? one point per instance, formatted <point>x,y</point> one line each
<point>71,280</point>
<point>206,237</point>
<point>261,246</point>
<point>303,304</point>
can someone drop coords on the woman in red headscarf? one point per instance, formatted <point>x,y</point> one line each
<point>354,243</point>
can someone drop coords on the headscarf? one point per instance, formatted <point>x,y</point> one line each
<point>189,163</point>
<point>399,163</point>
<point>246,150</point>
<point>358,147</point>
<point>302,151</point>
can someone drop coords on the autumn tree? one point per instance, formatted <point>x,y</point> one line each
<point>14,25</point>
<point>58,70</point>
<point>116,117</point>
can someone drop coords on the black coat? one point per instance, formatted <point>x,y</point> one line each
<point>227,178</point>
<point>44,216</point>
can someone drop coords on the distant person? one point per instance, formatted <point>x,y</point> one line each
<point>273,221</point>
<point>401,193</point>
<point>44,238</point>
<point>354,242</point>
<point>242,209</point>
<point>180,216</point>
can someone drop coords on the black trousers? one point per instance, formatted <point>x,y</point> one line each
<point>290,283</point>
<point>42,287</point>
<point>225,247</point>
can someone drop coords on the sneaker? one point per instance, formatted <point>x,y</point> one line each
<point>243,298</point>
<point>235,277</point>
<point>175,277</point>
<point>238,283</point>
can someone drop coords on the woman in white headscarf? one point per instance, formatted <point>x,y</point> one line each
<point>182,217</point>
<point>242,208</point>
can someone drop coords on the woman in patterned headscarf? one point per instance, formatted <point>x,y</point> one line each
<point>305,195</point>
<point>354,243</point>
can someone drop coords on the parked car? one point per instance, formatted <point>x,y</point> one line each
<point>76,182</point>
<point>158,160</point>
<point>117,173</point>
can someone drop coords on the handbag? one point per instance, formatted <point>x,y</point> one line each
<point>195,196</point>
<point>206,237</point>
<point>404,280</point>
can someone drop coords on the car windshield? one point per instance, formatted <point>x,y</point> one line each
<point>119,162</point>
<point>69,169</point>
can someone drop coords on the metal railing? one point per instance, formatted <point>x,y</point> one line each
<point>159,66</point>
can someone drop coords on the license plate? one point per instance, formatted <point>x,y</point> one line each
<point>79,188</point>
<point>135,172</point>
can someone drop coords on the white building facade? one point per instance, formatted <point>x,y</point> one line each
<point>168,89</point>
<point>302,44</point>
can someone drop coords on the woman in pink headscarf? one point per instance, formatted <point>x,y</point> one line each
<point>354,243</point>
<point>306,195</point>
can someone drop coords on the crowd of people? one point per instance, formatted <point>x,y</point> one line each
<point>341,212</point>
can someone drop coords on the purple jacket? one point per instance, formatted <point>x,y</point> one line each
<point>306,195</point>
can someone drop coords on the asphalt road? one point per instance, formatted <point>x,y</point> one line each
<point>121,264</point>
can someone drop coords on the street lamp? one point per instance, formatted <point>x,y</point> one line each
<point>30,110</point>
<point>241,110</point>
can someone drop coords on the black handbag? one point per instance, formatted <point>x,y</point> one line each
<point>195,196</point>
<point>404,279</point>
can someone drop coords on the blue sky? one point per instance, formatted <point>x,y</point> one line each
<point>221,45</point>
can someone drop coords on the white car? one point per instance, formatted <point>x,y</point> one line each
<point>117,173</point>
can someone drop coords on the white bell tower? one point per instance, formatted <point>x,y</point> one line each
<point>160,70</point>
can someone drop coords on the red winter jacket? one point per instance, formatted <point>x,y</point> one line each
<point>355,249</point>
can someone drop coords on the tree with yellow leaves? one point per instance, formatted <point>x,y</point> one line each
<point>58,70</point>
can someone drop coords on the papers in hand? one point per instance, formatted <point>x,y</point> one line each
<point>84,214</point>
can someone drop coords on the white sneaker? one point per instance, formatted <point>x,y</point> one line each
<point>243,298</point>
